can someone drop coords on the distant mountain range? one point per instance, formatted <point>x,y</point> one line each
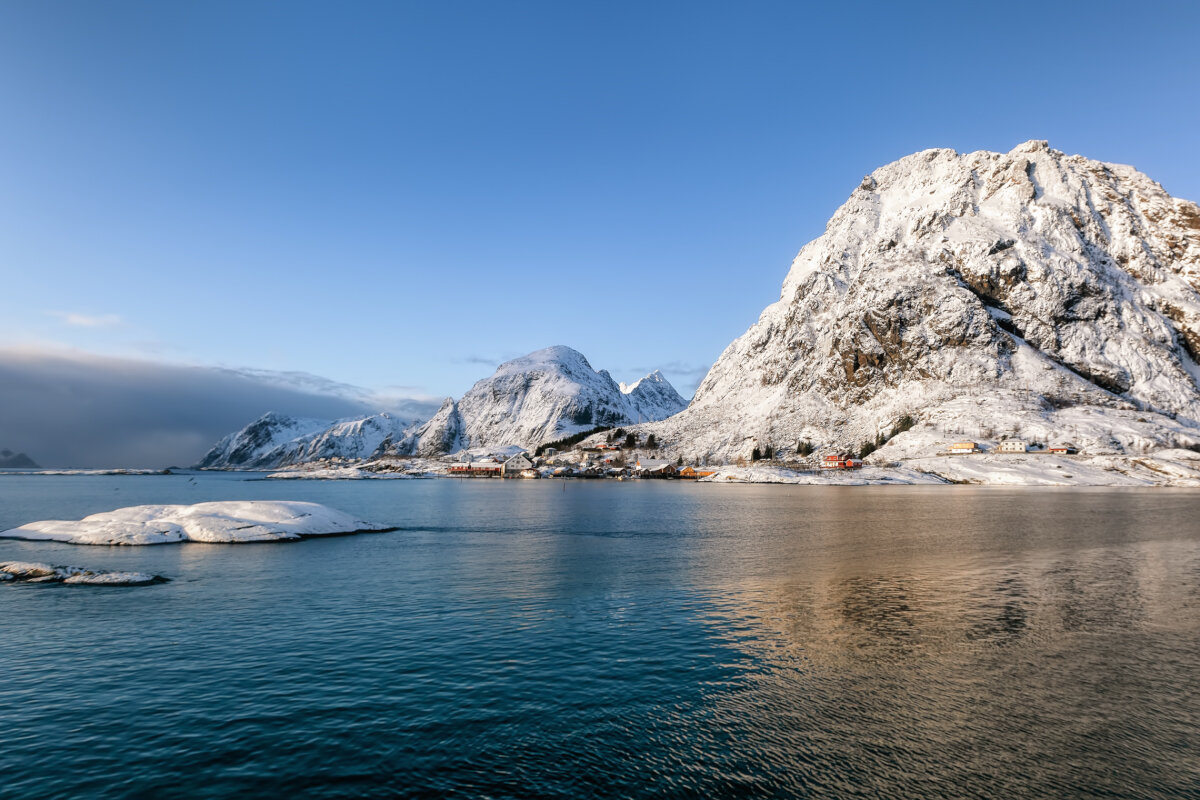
<point>540,397</point>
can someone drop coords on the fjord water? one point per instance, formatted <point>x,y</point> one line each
<point>602,639</point>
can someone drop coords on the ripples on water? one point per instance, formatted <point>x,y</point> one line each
<point>603,640</point>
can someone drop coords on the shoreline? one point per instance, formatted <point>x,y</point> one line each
<point>1177,468</point>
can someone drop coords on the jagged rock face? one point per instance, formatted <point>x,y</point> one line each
<point>441,434</point>
<point>948,274</point>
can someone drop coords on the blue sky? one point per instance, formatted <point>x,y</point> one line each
<point>399,196</point>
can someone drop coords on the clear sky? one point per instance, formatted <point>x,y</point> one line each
<point>404,194</point>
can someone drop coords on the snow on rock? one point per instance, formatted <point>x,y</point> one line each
<point>355,473</point>
<point>653,397</point>
<point>32,572</point>
<point>441,434</point>
<point>112,579</point>
<point>951,276</point>
<point>768,473</point>
<point>233,521</point>
<point>276,440</point>
<point>553,393</point>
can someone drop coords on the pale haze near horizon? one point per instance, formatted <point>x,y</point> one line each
<point>400,196</point>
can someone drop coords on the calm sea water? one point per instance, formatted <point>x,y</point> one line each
<point>600,639</point>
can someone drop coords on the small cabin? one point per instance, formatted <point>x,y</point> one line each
<point>841,461</point>
<point>1013,446</point>
<point>959,448</point>
<point>655,467</point>
<point>1064,449</point>
<point>697,472</point>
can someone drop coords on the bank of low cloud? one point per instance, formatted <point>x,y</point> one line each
<point>72,409</point>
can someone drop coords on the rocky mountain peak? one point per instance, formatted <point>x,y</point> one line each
<point>947,273</point>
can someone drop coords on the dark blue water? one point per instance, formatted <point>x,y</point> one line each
<point>602,639</point>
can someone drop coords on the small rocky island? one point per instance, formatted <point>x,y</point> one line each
<point>11,460</point>
<point>33,572</point>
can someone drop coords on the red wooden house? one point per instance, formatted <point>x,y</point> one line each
<point>841,461</point>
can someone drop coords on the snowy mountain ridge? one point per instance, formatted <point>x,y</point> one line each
<point>545,395</point>
<point>277,439</point>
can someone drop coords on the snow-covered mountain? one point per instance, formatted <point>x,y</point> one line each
<point>653,397</point>
<point>976,292</point>
<point>537,398</point>
<point>275,440</point>
<point>553,393</point>
<point>541,397</point>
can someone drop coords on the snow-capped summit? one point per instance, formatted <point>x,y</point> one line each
<point>546,395</point>
<point>1027,274</point>
<point>653,397</point>
<point>626,388</point>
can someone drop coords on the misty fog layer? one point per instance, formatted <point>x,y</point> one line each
<point>81,410</point>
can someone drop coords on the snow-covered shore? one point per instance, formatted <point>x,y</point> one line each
<point>1165,467</point>
<point>226,522</point>
<point>1162,468</point>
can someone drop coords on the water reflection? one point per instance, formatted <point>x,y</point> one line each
<point>1003,611</point>
<point>1068,666</point>
<point>900,616</point>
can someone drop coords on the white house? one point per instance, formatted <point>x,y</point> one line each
<point>1013,446</point>
<point>516,465</point>
<point>651,463</point>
